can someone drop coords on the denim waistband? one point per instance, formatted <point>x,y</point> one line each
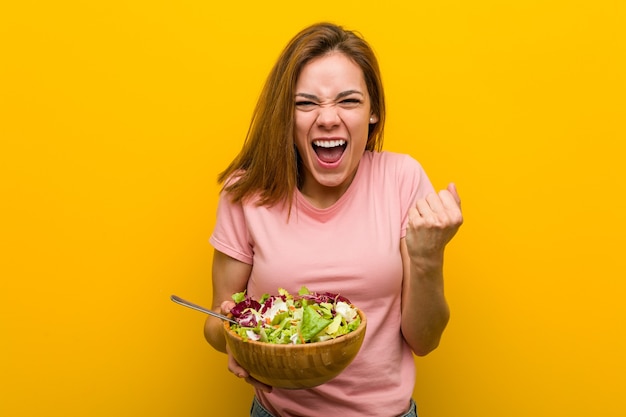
<point>257,410</point>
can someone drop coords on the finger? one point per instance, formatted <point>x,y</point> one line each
<point>435,203</point>
<point>424,210</point>
<point>415,218</point>
<point>422,207</point>
<point>452,189</point>
<point>448,201</point>
<point>239,372</point>
<point>234,367</point>
<point>452,206</point>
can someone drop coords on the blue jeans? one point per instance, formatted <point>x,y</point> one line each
<point>257,410</point>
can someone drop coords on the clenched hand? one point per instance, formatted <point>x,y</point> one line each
<point>433,222</point>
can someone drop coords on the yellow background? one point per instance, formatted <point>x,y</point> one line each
<point>116,116</point>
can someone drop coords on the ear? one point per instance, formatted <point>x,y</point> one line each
<point>373,119</point>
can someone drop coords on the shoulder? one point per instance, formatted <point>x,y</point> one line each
<point>234,190</point>
<point>396,171</point>
<point>391,162</point>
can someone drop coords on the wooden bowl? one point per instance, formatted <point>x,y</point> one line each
<point>296,366</point>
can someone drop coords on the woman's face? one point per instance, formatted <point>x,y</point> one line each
<point>332,117</point>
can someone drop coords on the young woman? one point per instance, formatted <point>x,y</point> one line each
<point>312,200</point>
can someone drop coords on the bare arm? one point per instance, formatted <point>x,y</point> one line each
<point>229,276</point>
<point>433,222</point>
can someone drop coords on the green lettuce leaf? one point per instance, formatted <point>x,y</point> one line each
<point>312,323</point>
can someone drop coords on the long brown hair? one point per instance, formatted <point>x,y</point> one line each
<point>268,165</point>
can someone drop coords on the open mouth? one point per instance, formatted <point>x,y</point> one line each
<point>329,151</point>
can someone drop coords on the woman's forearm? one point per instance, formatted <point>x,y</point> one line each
<point>425,312</point>
<point>214,334</point>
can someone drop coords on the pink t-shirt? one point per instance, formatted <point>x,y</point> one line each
<point>351,248</point>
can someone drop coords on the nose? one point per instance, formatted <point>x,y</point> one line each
<point>328,116</point>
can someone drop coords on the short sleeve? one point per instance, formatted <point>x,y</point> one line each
<point>414,185</point>
<point>231,235</point>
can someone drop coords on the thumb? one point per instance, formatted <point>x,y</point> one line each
<point>226,306</point>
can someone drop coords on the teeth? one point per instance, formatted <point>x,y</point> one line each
<point>329,143</point>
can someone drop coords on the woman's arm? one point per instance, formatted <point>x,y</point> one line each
<point>229,277</point>
<point>433,222</point>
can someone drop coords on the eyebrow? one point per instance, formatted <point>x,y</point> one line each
<point>339,96</point>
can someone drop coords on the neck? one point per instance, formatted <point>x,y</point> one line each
<point>322,196</point>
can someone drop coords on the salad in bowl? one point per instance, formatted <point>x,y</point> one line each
<point>307,317</point>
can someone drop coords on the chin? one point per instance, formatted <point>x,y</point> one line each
<point>331,181</point>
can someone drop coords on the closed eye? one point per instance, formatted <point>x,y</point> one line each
<point>350,102</point>
<point>305,105</point>
<point>348,99</point>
